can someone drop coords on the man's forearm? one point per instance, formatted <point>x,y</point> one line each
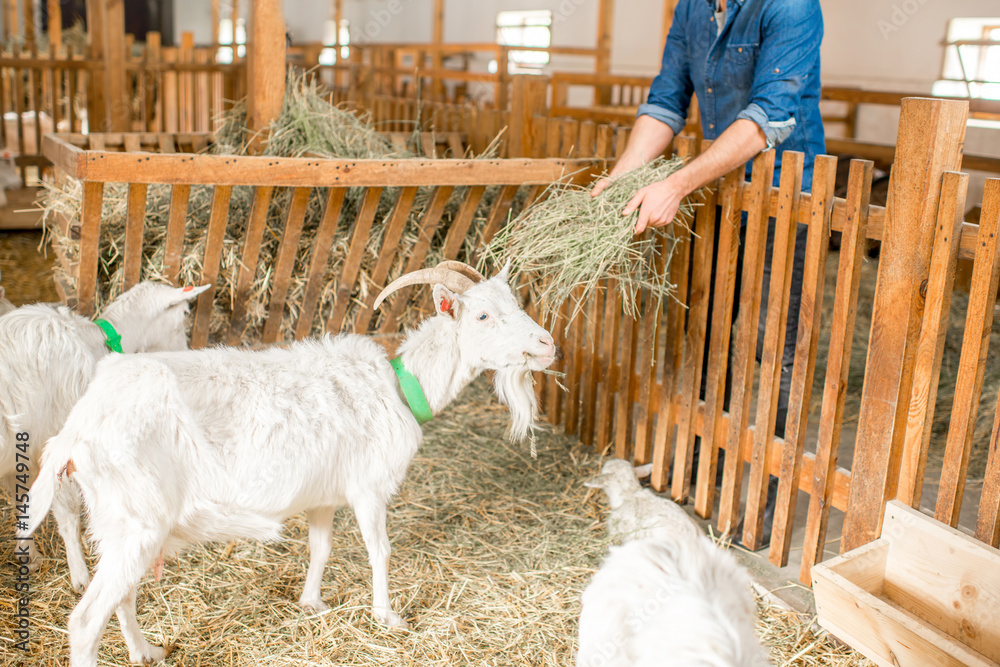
<point>739,143</point>
<point>647,141</point>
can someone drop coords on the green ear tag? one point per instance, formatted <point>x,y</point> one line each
<point>412,391</point>
<point>112,339</point>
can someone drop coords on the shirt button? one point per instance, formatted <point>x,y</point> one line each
<point>709,90</point>
<point>740,49</point>
<point>712,19</point>
<point>711,126</point>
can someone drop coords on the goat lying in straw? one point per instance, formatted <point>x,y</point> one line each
<point>224,443</point>
<point>669,596</point>
<point>48,354</point>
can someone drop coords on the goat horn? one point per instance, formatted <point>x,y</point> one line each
<point>463,268</point>
<point>453,280</point>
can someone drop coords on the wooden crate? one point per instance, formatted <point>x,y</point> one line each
<point>922,594</point>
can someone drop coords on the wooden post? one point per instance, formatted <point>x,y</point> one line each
<point>117,99</point>
<point>96,27</point>
<point>55,28</point>
<point>605,28</point>
<point>528,98</point>
<point>931,136</point>
<point>215,23</point>
<point>265,63</point>
<point>29,26</point>
<point>437,58</point>
<point>338,16</point>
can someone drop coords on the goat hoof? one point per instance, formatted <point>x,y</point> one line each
<point>80,583</point>
<point>314,606</point>
<point>150,654</point>
<point>34,564</point>
<point>391,620</point>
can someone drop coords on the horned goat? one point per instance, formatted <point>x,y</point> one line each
<point>226,443</point>
<point>669,595</point>
<point>48,355</point>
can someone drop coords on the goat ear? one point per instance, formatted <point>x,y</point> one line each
<point>643,470</point>
<point>182,294</point>
<point>504,274</point>
<point>446,302</point>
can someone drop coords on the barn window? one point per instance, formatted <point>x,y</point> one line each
<point>228,38</point>
<point>328,56</point>
<point>971,66</point>
<point>525,28</point>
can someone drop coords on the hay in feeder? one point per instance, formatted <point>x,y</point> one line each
<point>308,124</point>
<point>491,550</point>
<point>571,241</point>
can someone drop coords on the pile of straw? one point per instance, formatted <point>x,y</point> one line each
<point>308,123</point>
<point>491,550</point>
<point>571,241</point>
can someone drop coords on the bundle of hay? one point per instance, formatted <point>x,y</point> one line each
<point>569,242</point>
<point>308,124</point>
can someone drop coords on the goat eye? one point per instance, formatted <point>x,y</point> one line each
<point>483,317</point>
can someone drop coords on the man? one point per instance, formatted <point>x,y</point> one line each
<point>755,66</point>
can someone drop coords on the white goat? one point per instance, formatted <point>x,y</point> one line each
<point>48,355</point>
<point>638,513</point>
<point>669,603</point>
<point>669,596</point>
<point>176,449</point>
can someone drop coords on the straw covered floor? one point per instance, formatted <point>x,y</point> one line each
<point>491,550</point>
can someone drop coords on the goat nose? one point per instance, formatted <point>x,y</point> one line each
<point>559,352</point>
<point>548,340</point>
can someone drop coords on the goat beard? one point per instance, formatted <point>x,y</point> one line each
<point>515,389</point>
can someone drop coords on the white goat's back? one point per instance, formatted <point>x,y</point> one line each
<point>679,603</point>
<point>266,434</point>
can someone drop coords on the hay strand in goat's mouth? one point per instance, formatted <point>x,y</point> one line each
<point>570,240</point>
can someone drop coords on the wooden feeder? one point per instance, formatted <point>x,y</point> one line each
<point>922,594</point>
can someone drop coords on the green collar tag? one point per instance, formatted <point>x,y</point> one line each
<point>412,391</point>
<point>113,339</point>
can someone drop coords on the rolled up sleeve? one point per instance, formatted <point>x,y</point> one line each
<point>671,90</point>
<point>789,53</point>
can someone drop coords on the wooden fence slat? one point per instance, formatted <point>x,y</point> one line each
<point>852,249</point>
<point>649,338</point>
<point>135,218</point>
<point>576,370</point>
<point>390,247</point>
<point>689,378</point>
<point>806,346</point>
<point>930,344</point>
<point>972,361</point>
<point>352,263</point>
<point>553,392</point>
<point>210,266</point>
<point>744,356</point>
<point>782,260</point>
<point>318,262</point>
<point>428,225</point>
<point>248,261</point>
<point>731,201</point>
<point>609,364</point>
<point>497,217</point>
<point>285,263</point>
<point>90,244</point>
<point>174,241</point>
<point>931,137</point>
<point>593,367</point>
<point>463,220</point>
<point>624,427</point>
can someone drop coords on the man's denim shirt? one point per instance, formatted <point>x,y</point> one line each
<point>764,66</point>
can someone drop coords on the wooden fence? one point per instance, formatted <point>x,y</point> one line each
<point>637,386</point>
